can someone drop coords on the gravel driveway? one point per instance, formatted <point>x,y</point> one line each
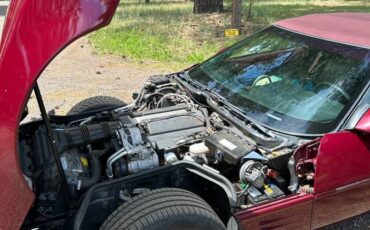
<point>78,73</point>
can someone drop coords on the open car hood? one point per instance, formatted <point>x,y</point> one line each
<point>35,32</point>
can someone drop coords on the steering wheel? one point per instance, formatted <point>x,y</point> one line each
<point>341,91</point>
<point>261,78</point>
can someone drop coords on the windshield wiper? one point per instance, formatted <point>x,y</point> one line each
<point>241,113</point>
<point>234,115</point>
<point>258,133</point>
<point>184,76</point>
<point>217,97</point>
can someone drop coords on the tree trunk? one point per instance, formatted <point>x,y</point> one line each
<point>236,18</point>
<point>250,9</point>
<point>208,6</point>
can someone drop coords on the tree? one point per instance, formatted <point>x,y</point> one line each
<point>236,18</point>
<point>250,9</point>
<point>208,6</point>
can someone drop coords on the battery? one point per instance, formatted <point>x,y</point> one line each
<point>270,192</point>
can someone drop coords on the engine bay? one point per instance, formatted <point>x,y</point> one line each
<point>170,120</point>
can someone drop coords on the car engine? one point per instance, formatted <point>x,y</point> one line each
<point>166,123</point>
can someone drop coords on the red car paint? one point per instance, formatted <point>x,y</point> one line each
<point>349,28</point>
<point>364,123</point>
<point>290,213</point>
<point>346,201</point>
<point>342,185</point>
<point>343,158</point>
<point>34,33</point>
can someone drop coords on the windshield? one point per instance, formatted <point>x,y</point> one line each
<point>288,82</point>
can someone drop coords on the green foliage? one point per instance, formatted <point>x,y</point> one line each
<point>270,11</point>
<point>168,33</point>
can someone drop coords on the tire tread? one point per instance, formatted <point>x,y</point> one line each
<point>161,205</point>
<point>95,102</point>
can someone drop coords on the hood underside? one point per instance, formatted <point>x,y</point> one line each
<point>34,33</point>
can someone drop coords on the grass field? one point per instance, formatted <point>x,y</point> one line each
<point>167,33</point>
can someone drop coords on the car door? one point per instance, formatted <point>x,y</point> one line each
<point>342,180</point>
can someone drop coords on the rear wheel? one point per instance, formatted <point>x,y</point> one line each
<point>95,103</point>
<point>164,209</point>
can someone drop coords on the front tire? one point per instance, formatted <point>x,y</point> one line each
<point>95,103</point>
<point>164,209</point>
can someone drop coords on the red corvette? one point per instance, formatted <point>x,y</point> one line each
<point>271,133</point>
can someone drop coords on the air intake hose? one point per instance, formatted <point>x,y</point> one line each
<point>89,134</point>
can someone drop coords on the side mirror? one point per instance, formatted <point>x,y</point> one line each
<point>360,120</point>
<point>363,125</point>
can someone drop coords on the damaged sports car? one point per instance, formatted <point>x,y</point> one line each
<point>273,132</point>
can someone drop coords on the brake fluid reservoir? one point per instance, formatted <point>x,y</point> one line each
<point>198,149</point>
<point>197,153</point>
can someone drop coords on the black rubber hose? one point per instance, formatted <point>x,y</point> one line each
<point>99,153</point>
<point>95,173</point>
<point>88,134</point>
<point>206,118</point>
<point>166,88</point>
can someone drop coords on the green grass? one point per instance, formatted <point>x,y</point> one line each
<point>166,32</point>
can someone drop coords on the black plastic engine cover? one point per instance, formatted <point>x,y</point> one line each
<point>165,127</point>
<point>165,134</point>
<point>232,146</point>
<point>173,124</point>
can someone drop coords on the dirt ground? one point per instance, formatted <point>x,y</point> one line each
<point>78,73</point>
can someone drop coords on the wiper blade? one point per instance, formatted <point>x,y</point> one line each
<point>203,88</point>
<point>185,77</point>
<point>233,114</point>
<point>239,112</point>
<point>218,98</point>
<point>259,134</point>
